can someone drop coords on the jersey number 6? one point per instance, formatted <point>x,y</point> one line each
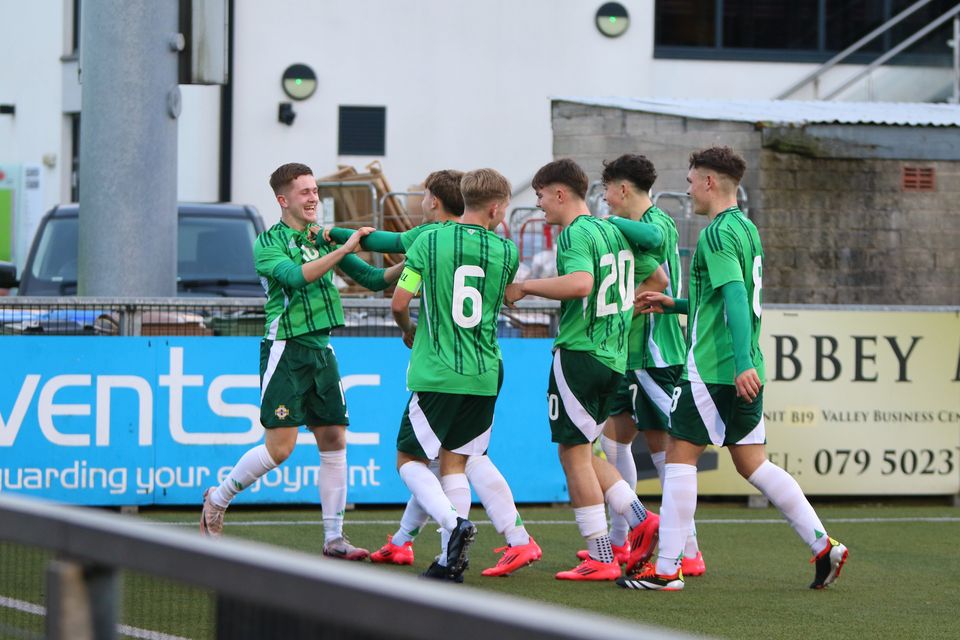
<point>462,292</point>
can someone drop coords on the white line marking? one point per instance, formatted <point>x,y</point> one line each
<point>356,523</point>
<point>122,629</point>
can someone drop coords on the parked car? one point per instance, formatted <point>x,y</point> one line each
<point>214,253</point>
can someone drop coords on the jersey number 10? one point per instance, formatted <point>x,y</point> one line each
<point>621,273</point>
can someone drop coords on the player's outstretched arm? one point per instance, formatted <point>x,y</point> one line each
<point>368,276</point>
<point>641,235</point>
<point>656,302</point>
<point>655,282</point>
<point>316,269</point>
<point>737,313</point>
<point>379,241</point>
<point>574,285</point>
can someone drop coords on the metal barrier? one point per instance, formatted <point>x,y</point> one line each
<point>289,594</point>
<point>27,316</point>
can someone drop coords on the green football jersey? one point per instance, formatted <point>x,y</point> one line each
<point>600,322</point>
<point>464,270</point>
<point>728,250</point>
<point>292,312</point>
<point>407,237</point>
<point>656,341</point>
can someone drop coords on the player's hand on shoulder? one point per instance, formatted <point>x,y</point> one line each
<point>313,231</point>
<point>748,385</point>
<point>326,235</point>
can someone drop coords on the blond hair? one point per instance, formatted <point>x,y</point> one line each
<point>480,187</point>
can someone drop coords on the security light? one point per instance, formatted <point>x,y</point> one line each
<point>299,81</point>
<point>612,19</point>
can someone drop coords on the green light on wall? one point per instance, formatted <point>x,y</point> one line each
<point>612,19</point>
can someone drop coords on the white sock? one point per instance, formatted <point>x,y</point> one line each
<point>457,488</point>
<point>659,460</point>
<point>251,466</point>
<point>427,490</point>
<point>414,516</point>
<point>624,501</point>
<point>787,496</point>
<point>691,548</point>
<point>592,522</point>
<point>333,492</point>
<point>620,456</point>
<point>676,514</point>
<point>497,499</point>
<point>413,519</point>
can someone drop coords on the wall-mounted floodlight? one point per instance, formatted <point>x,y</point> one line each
<point>299,81</point>
<point>612,19</point>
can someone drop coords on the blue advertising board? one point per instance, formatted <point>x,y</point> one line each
<point>154,421</point>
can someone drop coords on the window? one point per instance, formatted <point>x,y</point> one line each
<point>795,30</point>
<point>362,131</point>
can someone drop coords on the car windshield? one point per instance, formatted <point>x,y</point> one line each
<point>215,248</point>
<point>210,249</point>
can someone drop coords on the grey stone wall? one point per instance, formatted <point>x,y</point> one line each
<point>835,230</point>
<point>841,231</point>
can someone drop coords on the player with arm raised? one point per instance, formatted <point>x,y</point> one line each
<point>596,289</point>
<point>719,399</point>
<point>455,368</point>
<point>299,378</point>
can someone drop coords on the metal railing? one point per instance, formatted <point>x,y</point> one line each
<point>814,77</point>
<point>366,317</point>
<point>346,600</point>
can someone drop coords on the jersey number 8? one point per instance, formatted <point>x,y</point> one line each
<point>621,273</point>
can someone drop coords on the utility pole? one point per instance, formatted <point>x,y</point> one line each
<point>128,156</point>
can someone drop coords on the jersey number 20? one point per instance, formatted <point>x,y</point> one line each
<point>621,273</point>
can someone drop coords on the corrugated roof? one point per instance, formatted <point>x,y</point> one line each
<point>789,112</point>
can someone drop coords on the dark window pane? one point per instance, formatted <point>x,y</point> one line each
<point>685,23</point>
<point>935,42</point>
<point>363,131</point>
<point>770,24</point>
<point>849,20</point>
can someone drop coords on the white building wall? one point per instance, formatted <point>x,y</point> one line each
<point>30,79</point>
<point>466,84</point>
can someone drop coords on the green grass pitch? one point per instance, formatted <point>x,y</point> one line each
<point>901,579</point>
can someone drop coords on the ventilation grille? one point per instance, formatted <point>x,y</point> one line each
<point>919,179</point>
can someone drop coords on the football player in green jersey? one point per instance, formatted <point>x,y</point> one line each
<point>300,381</point>
<point>656,348</point>
<point>719,399</point>
<point>596,287</point>
<point>442,204</point>
<point>455,369</point>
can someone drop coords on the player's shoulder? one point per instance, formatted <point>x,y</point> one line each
<point>275,236</point>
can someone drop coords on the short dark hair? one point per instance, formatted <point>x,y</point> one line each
<point>720,159</point>
<point>445,186</point>
<point>632,167</point>
<point>565,172</point>
<point>287,173</point>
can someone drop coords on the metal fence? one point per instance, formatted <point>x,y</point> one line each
<point>220,317</point>
<point>66,572</point>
